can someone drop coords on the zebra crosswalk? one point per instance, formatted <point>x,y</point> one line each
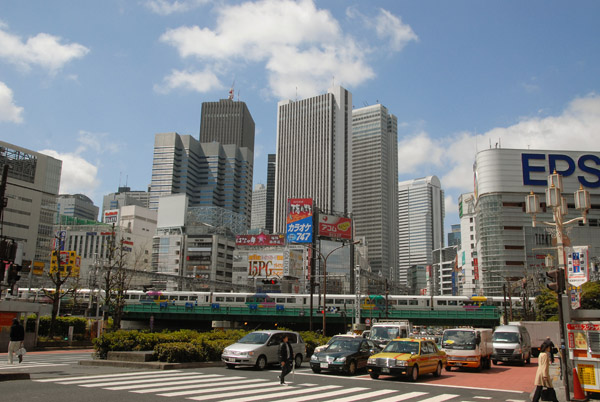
<point>32,361</point>
<point>197,386</point>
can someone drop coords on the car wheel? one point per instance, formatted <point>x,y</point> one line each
<point>448,368</point>
<point>316,370</point>
<point>414,374</point>
<point>374,375</point>
<point>261,362</point>
<point>438,370</point>
<point>352,368</point>
<point>299,361</point>
<point>495,362</point>
<point>230,366</point>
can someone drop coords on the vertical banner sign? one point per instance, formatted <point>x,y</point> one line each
<point>574,293</point>
<point>476,269</point>
<point>299,220</point>
<point>577,265</point>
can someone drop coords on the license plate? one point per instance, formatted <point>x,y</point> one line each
<point>385,370</point>
<point>458,364</point>
<point>232,359</point>
<point>324,365</point>
<point>504,359</point>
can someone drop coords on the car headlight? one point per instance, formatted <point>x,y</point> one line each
<point>518,351</point>
<point>472,359</point>
<point>250,353</point>
<point>371,361</point>
<point>314,358</point>
<point>402,363</point>
<point>341,359</point>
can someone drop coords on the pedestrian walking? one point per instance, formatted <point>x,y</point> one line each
<point>552,349</point>
<point>542,376</point>
<point>17,337</point>
<point>286,359</point>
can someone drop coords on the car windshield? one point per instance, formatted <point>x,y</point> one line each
<point>464,340</point>
<point>506,337</point>
<point>384,333</point>
<point>257,338</point>
<point>344,345</point>
<point>402,347</point>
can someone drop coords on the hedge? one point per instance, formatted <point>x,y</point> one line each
<point>61,327</point>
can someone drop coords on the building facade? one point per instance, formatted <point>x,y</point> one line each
<point>210,174</point>
<point>468,261</point>
<point>375,185</point>
<point>124,197</point>
<point>420,222</point>
<point>509,248</point>
<point>31,192</point>
<point>271,168</point>
<point>314,153</point>
<point>77,206</point>
<point>259,207</point>
<point>227,122</point>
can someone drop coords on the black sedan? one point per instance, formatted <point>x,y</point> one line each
<point>344,355</point>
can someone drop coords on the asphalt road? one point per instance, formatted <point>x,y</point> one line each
<point>57,377</point>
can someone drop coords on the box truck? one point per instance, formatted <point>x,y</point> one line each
<point>468,347</point>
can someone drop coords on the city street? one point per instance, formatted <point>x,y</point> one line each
<point>56,377</point>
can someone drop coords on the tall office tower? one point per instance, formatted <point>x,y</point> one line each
<point>375,185</point>
<point>454,236</point>
<point>420,222</point>
<point>228,122</point>
<point>314,153</point>
<point>210,174</point>
<point>271,168</point>
<point>125,197</point>
<point>77,206</point>
<point>468,262</point>
<point>259,207</point>
<point>31,190</point>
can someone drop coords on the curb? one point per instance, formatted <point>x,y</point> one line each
<point>149,365</point>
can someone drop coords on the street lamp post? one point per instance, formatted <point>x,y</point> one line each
<point>557,202</point>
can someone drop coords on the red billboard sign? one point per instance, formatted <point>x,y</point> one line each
<point>335,226</point>
<point>260,240</point>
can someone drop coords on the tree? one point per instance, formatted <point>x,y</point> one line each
<point>590,298</point>
<point>547,305</point>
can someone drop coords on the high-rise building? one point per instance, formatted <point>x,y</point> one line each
<point>31,190</point>
<point>124,197</point>
<point>314,153</point>
<point>420,222</point>
<point>375,185</point>
<point>454,235</point>
<point>210,174</point>
<point>271,168</point>
<point>259,207</point>
<point>227,122</point>
<point>467,251</point>
<point>77,206</point>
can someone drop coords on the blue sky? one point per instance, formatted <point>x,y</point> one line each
<point>91,83</point>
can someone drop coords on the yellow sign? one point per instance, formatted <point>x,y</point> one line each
<point>70,263</point>
<point>580,341</point>
<point>586,373</point>
<point>38,268</point>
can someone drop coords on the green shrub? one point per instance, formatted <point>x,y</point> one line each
<point>61,328</point>
<point>177,352</point>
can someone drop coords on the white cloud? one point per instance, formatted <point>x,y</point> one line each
<point>97,142</point>
<point>166,7</point>
<point>303,48</point>
<point>43,50</point>
<point>8,110</point>
<point>418,150</point>
<point>78,175</point>
<point>388,26</point>
<point>450,204</point>
<point>200,81</point>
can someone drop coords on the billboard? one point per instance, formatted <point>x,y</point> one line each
<point>577,265</point>
<point>335,226</point>
<point>70,263</point>
<point>260,240</point>
<point>111,216</point>
<point>265,265</point>
<point>299,220</point>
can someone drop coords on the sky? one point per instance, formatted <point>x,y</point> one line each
<point>92,82</point>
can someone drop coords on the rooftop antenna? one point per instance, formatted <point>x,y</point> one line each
<point>231,91</point>
<point>120,174</point>
<point>296,93</point>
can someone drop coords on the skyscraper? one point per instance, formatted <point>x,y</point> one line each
<point>420,222</point>
<point>375,184</point>
<point>228,122</point>
<point>259,207</point>
<point>210,174</point>
<point>271,168</point>
<point>314,159</point>
<point>77,206</point>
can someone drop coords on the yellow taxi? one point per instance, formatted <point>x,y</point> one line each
<point>408,357</point>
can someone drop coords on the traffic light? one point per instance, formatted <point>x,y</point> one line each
<point>557,280</point>
<point>270,281</point>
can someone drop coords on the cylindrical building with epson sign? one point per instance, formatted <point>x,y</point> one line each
<point>508,247</point>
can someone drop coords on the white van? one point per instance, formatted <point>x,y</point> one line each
<point>512,344</point>
<point>261,348</point>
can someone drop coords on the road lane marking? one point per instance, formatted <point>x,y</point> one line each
<point>102,376</point>
<point>369,396</point>
<point>403,397</point>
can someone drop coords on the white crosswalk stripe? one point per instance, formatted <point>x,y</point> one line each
<point>198,386</point>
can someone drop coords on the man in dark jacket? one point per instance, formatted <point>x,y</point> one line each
<point>286,358</point>
<point>17,337</point>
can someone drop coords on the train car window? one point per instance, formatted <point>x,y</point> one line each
<point>402,302</point>
<point>126,297</point>
<point>415,303</point>
<point>453,302</point>
<point>239,299</point>
<point>183,298</point>
<point>441,302</point>
<point>290,300</point>
<point>230,299</point>
<point>339,301</point>
<point>280,300</point>
<point>134,297</point>
<point>219,299</point>
<point>192,298</point>
<point>329,301</point>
